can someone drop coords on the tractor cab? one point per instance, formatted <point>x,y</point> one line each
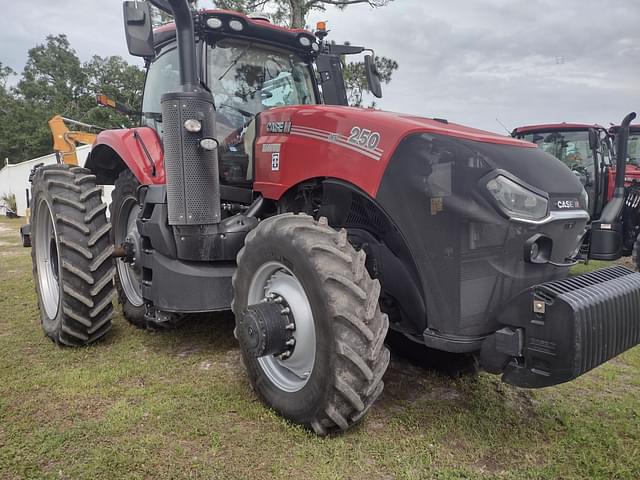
<point>248,65</point>
<point>585,149</point>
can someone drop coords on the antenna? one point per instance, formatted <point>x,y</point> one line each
<point>502,125</point>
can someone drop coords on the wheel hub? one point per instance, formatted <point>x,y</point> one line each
<point>131,247</point>
<point>266,328</point>
<point>288,369</point>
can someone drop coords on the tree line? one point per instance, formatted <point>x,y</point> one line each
<point>55,81</point>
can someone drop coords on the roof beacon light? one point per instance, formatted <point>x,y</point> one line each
<point>321,30</point>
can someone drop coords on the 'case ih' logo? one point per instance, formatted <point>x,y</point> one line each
<point>568,204</point>
<point>279,127</point>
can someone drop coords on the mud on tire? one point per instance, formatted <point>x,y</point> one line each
<point>350,358</point>
<point>72,266</point>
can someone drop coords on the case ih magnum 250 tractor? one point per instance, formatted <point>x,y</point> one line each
<point>590,151</point>
<point>320,226</point>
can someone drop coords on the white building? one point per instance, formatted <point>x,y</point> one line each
<point>15,178</point>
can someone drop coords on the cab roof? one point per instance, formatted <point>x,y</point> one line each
<point>254,27</point>
<point>555,127</point>
<point>632,128</point>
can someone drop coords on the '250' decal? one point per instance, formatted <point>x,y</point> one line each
<point>364,138</point>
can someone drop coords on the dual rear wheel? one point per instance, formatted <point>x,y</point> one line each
<point>71,252</point>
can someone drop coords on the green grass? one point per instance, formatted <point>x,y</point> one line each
<point>178,405</point>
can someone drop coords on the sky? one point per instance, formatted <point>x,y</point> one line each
<point>469,61</point>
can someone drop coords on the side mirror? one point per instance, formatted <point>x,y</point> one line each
<point>138,29</point>
<point>373,77</point>
<point>594,139</point>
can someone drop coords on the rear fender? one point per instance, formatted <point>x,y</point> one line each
<point>138,149</point>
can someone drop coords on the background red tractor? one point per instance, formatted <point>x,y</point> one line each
<point>590,151</point>
<point>321,226</point>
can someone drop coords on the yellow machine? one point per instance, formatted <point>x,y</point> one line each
<point>65,140</point>
<point>64,144</point>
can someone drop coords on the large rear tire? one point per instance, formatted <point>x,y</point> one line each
<point>334,373</point>
<point>72,266</point>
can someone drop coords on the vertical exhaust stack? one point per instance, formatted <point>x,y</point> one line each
<point>606,232</point>
<point>193,188</point>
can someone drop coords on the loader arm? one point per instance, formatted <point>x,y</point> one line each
<point>65,140</point>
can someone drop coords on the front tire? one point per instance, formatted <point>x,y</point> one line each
<point>123,211</point>
<point>335,372</point>
<point>71,253</point>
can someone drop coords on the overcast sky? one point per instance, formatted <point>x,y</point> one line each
<point>470,61</point>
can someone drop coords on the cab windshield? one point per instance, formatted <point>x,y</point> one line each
<point>633,148</point>
<point>246,78</point>
<point>572,148</point>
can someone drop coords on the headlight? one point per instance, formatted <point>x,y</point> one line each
<point>236,25</point>
<point>214,22</point>
<point>305,41</point>
<point>517,201</point>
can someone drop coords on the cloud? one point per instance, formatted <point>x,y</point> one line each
<point>465,60</point>
<point>523,62</point>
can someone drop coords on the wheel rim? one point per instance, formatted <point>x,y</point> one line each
<point>129,273</point>
<point>292,373</point>
<point>47,260</point>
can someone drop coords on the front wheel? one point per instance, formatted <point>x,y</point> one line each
<point>125,210</point>
<point>310,328</point>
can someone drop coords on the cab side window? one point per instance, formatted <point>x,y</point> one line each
<point>163,76</point>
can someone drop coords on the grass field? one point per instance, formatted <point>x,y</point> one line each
<point>178,405</point>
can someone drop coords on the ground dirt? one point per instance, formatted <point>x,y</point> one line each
<point>155,405</point>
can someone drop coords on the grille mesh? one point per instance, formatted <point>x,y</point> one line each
<point>192,173</point>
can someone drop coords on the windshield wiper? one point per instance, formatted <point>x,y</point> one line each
<point>235,61</point>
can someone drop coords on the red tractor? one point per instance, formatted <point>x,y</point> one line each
<point>589,150</point>
<point>320,226</point>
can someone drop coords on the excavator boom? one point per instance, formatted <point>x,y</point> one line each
<point>65,140</point>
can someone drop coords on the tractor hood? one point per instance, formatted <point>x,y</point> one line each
<point>357,138</point>
<point>521,159</point>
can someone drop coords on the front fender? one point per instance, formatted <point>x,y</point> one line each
<point>138,149</point>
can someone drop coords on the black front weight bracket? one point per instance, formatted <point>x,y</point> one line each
<point>556,331</point>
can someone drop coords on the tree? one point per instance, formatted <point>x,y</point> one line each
<point>355,78</point>
<point>55,81</point>
<point>117,79</point>
<point>295,11</point>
